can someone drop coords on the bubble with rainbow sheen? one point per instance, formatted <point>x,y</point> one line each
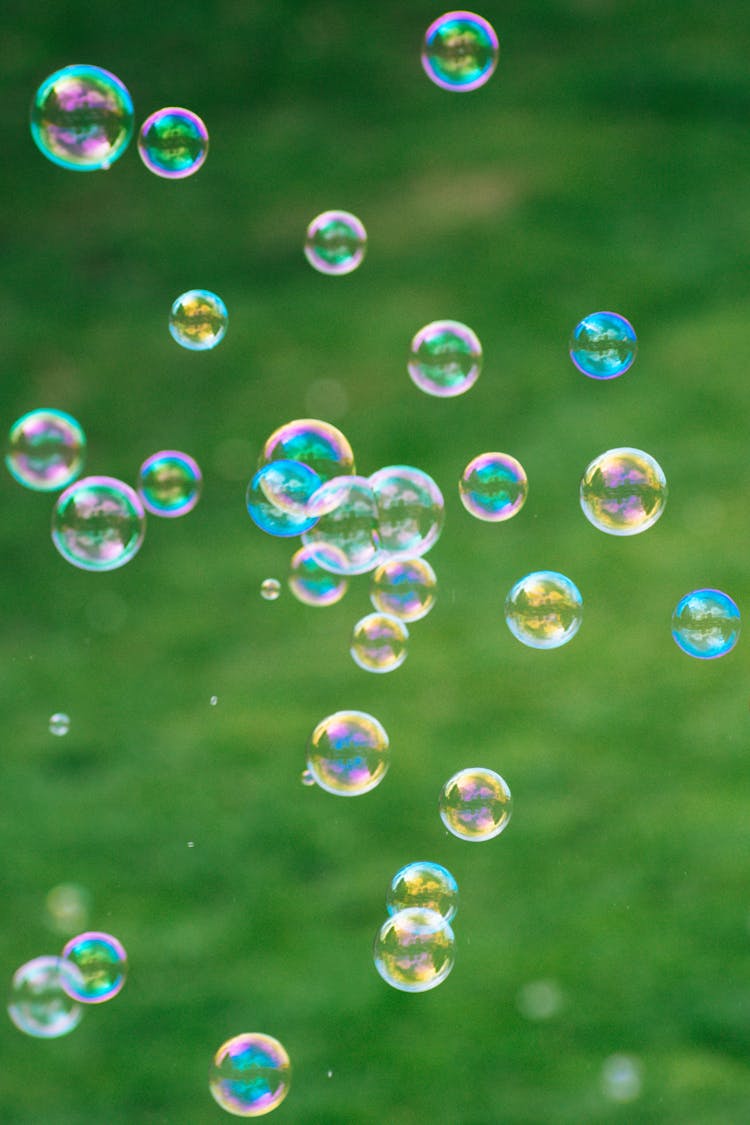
<point>102,964</point>
<point>82,118</point>
<point>169,483</point>
<point>475,804</point>
<point>250,1075</point>
<point>411,511</point>
<point>603,345</point>
<point>198,320</point>
<point>706,624</point>
<point>270,589</point>
<point>348,753</point>
<point>335,242</point>
<point>424,884</point>
<point>98,523</point>
<point>173,143</point>
<point>347,520</point>
<point>317,444</point>
<point>544,609</point>
<point>460,51</point>
<point>46,450</point>
<point>313,584</point>
<point>59,724</point>
<point>623,491</point>
<point>41,1000</point>
<point>405,588</point>
<point>445,359</point>
<point>414,949</point>
<point>379,643</point>
<point>278,495</point>
<point>493,487</point>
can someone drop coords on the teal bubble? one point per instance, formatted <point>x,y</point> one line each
<point>460,51</point>
<point>445,359</point>
<point>82,118</point>
<point>706,624</point>
<point>493,487</point>
<point>98,523</point>
<point>102,964</point>
<point>41,1002</point>
<point>414,949</point>
<point>406,588</point>
<point>173,143</point>
<point>198,320</point>
<point>46,450</point>
<point>424,884</point>
<point>278,495</point>
<point>335,242</point>
<point>544,609</point>
<point>603,345</point>
<point>169,483</point>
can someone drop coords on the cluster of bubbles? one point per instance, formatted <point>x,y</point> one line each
<point>250,1075</point>
<point>414,949</point>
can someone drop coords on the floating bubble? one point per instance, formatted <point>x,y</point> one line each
<point>335,242</point>
<point>540,999</point>
<point>460,51</point>
<point>250,1075</point>
<point>622,1078</point>
<point>411,510</point>
<point>169,483</point>
<point>41,1001</point>
<point>475,804</point>
<point>59,724</point>
<point>379,642</point>
<point>348,753</point>
<point>424,884</point>
<point>706,624</point>
<point>46,450</point>
<point>278,495</point>
<point>82,118</point>
<point>102,965</point>
<point>544,609</point>
<point>67,908</point>
<point>307,778</point>
<point>314,584</point>
<point>270,588</point>
<point>446,359</point>
<point>319,445</point>
<point>405,588</point>
<point>493,487</point>
<point>173,143</point>
<point>213,700</point>
<point>198,320</point>
<point>603,345</point>
<point>414,949</point>
<point>347,520</point>
<point>623,491</point>
<point>98,523</point>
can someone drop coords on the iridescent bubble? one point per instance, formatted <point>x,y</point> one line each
<point>59,724</point>
<point>460,51</point>
<point>41,1001</point>
<point>622,1078</point>
<point>706,624</point>
<point>307,778</point>
<point>278,495</point>
<point>603,345</point>
<point>348,753</point>
<point>493,487</point>
<point>67,908</point>
<point>475,804</point>
<point>414,949</point>
<point>405,588</point>
<point>319,445</point>
<point>173,143</point>
<point>250,1075</point>
<point>169,483</point>
<point>313,584</point>
<point>379,642</point>
<point>544,609</point>
<point>623,491</point>
<point>347,519</point>
<point>446,359</point>
<point>198,320</point>
<point>424,884</point>
<point>335,242</point>
<point>102,965</point>
<point>411,510</point>
<point>98,523</point>
<point>270,588</point>
<point>82,118</point>
<point>46,450</point>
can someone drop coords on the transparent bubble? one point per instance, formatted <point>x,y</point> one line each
<point>623,491</point>
<point>213,700</point>
<point>348,753</point>
<point>250,1075</point>
<point>278,495</point>
<point>46,450</point>
<point>347,520</point>
<point>540,999</point>
<point>544,609</point>
<point>411,510</point>
<point>379,643</point>
<point>424,884</point>
<point>40,1002</point>
<point>102,965</point>
<point>622,1078</point>
<point>82,118</point>
<point>493,487</point>
<point>173,143</point>
<point>446,359</point>
<point>414,949</point>
<point>98,523</point>
<point>270,588</point>
<point>59,724</point>
<point>335,242</point>
<point>706,624</point>
<point>603,345</point>
<point>475,804</point>
<point>198,320</point>
<point>307,778</point>
<point>67,908</point>
<point>405,588</point>
<point>319,445</point>
<point>313,584</point>
<point>169,483</point>
<point>460,51</point>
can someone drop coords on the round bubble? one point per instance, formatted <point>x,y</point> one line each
<point>540,999</point>
<point>544,609</point>
<point>250,1075</point>
<point>460,51</point>
<point>445,359</point>
<point>307,778</point>
<point>41,1002</point>
<point>706,624</point>
<point>423,884</point>
<point>198,320</point>
<point>335,242</point>
<point>173,143</point>
<point>314,584</point>
<point>493,487</point>
<point>278,495</point>
<point>102,965</point>
<point>623,491</point>
<point>67,908</point>
<point>270,588</point>
<point>411,511</point>
<point>347,520</point>
<point>98,523</point>
<point>348,753</point>
<point>475,804</point>
<point>319,445</point>
<point>59,724</point>
<point>46,450</point>
<point>622,1078</point>
<point>603,345</point>
<point>379,642</point>
<point>169,483</point>
<point>82,118</point>
<point>406,588</point>
<point>414,949</point>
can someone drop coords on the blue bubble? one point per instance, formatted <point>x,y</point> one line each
<point>278,495</point>
<point>706,624</point>
<point>603,345</point>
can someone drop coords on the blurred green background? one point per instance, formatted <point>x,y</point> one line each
<point>604,166</point>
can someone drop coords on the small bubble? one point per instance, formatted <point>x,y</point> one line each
<point>270,588</point>
<point>191,844</point>
<point>622,1078</point>
<point>460,51</point>
<point>214,700</point>
<point>335,242</point>
<point>306,777</point>
<point>706,624</point>
<point>379,643</point>
<point>169,483</point>
<point>102,963</point>
<point>445,359</point>
<point>603,345</point>
<point>198,320</point>
<point>544,609</point>
<point>475,804</point>
<point>59,724</point>
<point>173,143</point>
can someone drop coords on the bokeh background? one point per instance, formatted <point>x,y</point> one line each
<point>604,166</point>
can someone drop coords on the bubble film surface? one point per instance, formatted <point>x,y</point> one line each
<point>544,609</point>
<point>98,523</point>
<point>102,966</point>
<point>169,483</point>
<point>317,444</point>
<point>623,491</point>
<point>348,753</point>
<point>198,320</point>
<point>603,345</point>
<point>270,589</point>
<point>411,511</point>
<point>445,359</point>
<point>250,1075</point>
<point>424,884</point>
<point>706,624</point>
<point>173,143</point>
<point>313,584</point>
<point>493,487</point>
<point>414,949</point>
<point>59,724</point>
<point>379,643</point>
<point>347,520</point>
<point>82,118</point>
<point>460,51</point>
<point>278,495</point>
<point>46,450</point>
<point>40,1002</point>
<point>335,243</point>
<point>475,804</point>
<point>406,588</point>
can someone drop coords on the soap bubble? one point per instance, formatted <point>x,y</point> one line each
<point>475,804</point>
<point>250,1075</point>
<point>348,753</point>
<point>41,1001</point>
<point>59,724</point>
<point>411,510</point>
<point>424,884</point>
<point>414,949</point>
<point>270,588</point>
<point>379,642</point>
<point>706,624</point>
<point>46,450</point>
<point>540,999</point>
<point>313,584</point>
<point>198,320</point>
<point>623,491</point>
<point>405,588</point>
<point>544,609</point>
<point>603,345</point>
<point>307,778</point>
<point>446,359</point>
<point>67,908</point>
<point>82,118</point>
<point>493,487</point>
<point>169,483</point>
<point>347,519</point>
<point>460,51</point>
<point>173,143</point>
<point>98,523</point>
<point>622,1078</point>
<point>319,445</point>
<point>335,243</point>
<point>277,498</point>
<point>102,964</point>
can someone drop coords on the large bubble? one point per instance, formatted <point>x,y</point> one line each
<point>544,609</point>
<point>277,498</point>
<point>348,753</point>
<point>425,884</point>
<point>46,450</point>
<point>102,964</point>
<point>406,588</point>
<point>623,491</point>
<point>82,118</point>
<point>335,242</point>
<point>475,804</point>
<point>317,444</point>
<point>250,1075</point>
<point>379,642</point>
<point>446,359</point>
<point>493,487</point>
<point>198,320</point>
<point>414,949</point>
<point>169,483</point>
<point>98,523</point>
<point>347,520</point>
<point>40,1002</point>
<point>603,345</point>
<point>460,51</point>
<point>411,510</point>
<point>173,143</point>
<point>706,624</point>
